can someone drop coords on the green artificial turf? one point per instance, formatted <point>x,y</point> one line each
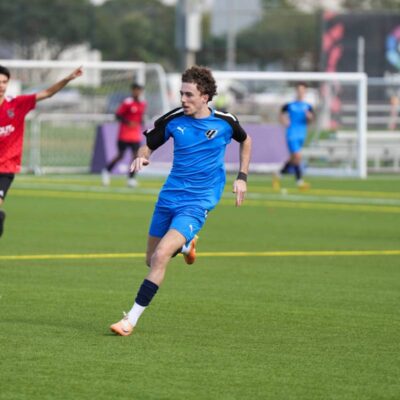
<point>254,326</point>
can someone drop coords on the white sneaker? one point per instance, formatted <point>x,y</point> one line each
<point>303,185</point>
<point>105,177</point>
<point>132,182</point>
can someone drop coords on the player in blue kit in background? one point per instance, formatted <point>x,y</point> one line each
<point>295,116</point>
<point>195,183</point>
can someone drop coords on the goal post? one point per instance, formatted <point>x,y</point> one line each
<point>358,81</point>
<point>60,132</point>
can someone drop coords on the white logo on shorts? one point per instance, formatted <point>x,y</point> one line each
<point>191,228</point>
<point>1,193</point>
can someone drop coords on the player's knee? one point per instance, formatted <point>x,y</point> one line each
<point>159,256</point>
<point>296,159</point>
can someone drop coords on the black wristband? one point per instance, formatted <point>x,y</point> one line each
<point>242,176</point>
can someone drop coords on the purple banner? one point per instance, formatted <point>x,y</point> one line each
<point>269,149</point>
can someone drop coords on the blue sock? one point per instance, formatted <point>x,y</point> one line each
<point>146,293</point>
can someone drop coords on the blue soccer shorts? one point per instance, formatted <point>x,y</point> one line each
<point>187,220</point>
<point>295,144</point>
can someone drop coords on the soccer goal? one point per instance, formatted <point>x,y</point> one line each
<point>336,144</point>
<point>60,132</point>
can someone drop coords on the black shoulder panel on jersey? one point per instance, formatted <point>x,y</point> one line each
<point>285,108</point>
<point>155,137</point>
<point>238,132</point>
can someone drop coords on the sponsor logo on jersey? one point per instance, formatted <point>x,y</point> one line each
<point>181,130</point>
<point>211,133</point>
<point>6,130</point>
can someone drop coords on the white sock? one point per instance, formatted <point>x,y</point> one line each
<point>135,313</point>
<point>185,249</point>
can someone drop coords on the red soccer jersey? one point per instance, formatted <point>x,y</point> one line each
<point>132,111</point>
<point>12,124</point>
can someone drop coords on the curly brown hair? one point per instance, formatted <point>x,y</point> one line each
<point>203,79</point>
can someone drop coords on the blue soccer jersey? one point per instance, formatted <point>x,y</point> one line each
<point>197,177</point>
<point>297,111</point>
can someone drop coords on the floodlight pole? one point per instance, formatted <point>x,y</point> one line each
<point>188,30</point>
<point>231,38</point>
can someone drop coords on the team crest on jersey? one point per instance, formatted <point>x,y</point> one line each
<point>211,133</point>
<point>11,113</point>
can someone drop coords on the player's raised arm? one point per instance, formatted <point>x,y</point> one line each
<point>240,184</point>
<point>142,159</point>
<point>45,94</point>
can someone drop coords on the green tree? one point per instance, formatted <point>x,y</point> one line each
<point>136,30</point>
<point>287,37</point>
<point>381,5</point>
<point>59,23</point>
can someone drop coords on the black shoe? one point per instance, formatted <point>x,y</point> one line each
<point>2,219</point>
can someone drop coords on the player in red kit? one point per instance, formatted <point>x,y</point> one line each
<point>12,123</point>
<point>130,114</point>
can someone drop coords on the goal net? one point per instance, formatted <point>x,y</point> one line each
<point>60,132</point>
<point>336,140</point>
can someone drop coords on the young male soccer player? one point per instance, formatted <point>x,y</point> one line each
<point>195,183</point>
<point>130,114</point>
<point>295,116</point>
<point>12,121</point>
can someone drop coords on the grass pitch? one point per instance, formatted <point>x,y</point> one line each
<point>293,296</point>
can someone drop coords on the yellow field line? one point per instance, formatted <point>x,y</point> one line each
<point>250,202</point>
<point>295,253</point>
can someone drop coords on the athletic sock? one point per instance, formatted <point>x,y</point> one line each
<point>143,298</point>
<point>135,313</point>
<point>285,168</point>
<point>180,250</point>
<point>297,171</point>
<point>2,218</point>
<point>186,247</point>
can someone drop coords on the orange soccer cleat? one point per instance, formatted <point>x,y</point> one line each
<point>190,254</point>
<point>302,186</point>
<point>123,327</point>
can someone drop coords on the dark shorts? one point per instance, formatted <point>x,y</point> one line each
<point>122,146</point>
<point>5,183</point>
